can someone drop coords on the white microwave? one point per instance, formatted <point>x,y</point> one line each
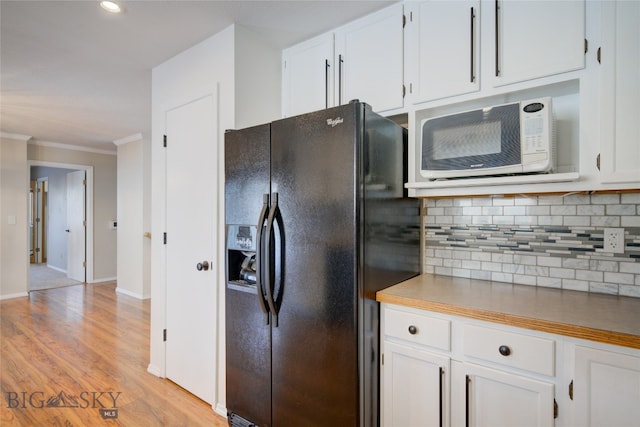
<point>511,138</point>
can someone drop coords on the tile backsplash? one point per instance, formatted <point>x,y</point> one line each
<point>551,241</point>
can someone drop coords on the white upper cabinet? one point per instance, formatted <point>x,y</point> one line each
<point>369,60</point>
<point>442,40</point>
<point>307,76</point>
<point>532,39</point>
<point>620,92</point>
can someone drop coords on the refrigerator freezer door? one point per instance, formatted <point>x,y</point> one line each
<point>248,339</point>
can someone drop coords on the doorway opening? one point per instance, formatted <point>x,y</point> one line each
<point>60,225</point>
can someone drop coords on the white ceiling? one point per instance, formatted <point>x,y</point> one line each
<point>73,74</point>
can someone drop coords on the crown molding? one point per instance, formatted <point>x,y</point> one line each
<point>16,136</point>
<point>72,147</point>
<point>127,139</point>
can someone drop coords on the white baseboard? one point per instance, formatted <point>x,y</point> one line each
<point>154,370</point>
<point>131,294</point>
<point>103,280</point>
<point>11,296</point>
<point>220,410</point>
<point>53,267</point>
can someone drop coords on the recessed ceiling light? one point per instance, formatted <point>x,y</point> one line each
<point>110,6</point>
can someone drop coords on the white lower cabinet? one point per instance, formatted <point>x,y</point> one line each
<point>415,391</point>
<point>483,396</point>
<point>441,370</point>
<point>606,388</point>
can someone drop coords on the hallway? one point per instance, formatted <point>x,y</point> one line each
<point>78,356</point>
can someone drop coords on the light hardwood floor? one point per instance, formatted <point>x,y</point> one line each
<point>88,346</point>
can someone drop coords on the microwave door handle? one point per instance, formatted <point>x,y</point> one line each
<point>260,261</point>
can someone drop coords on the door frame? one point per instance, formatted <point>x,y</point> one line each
<point>88,209</point>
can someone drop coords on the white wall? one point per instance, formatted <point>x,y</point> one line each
<point>246,73</point>
<point>131,224</point>
<point>188,75</point>
<point>14,227</point>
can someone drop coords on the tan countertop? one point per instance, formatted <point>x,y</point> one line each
<point>597,317</point>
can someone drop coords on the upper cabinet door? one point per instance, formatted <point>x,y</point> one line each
<point>307,76</point>
<point>442,44</point>
<point>369,60</point>
<point>620,92</point>
<point>538,38</point>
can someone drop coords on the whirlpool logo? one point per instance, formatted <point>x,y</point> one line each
<point>334,122</point>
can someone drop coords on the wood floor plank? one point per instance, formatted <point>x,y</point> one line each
<point>70,355</point>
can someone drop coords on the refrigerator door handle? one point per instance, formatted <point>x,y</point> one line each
<point>268,254</point>
<point>260,261</point>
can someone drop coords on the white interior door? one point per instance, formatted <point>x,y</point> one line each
<point>192,177</point>
<point>76,226</point>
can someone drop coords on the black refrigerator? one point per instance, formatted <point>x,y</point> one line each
<point>317,221</point>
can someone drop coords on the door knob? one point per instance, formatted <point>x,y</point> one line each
<point>204,265</point>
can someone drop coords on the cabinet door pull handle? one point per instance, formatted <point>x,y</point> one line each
<point>504,350</point>
<point>467,392</point>
<point>340,61</point>
<point>413,330</point>
<point>326,83</point>
<point>472,50</point>
<point>441,395</point>
<point>497,38</point>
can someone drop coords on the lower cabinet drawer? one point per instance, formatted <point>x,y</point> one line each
<point>510,349</point>
<point>418,328</point>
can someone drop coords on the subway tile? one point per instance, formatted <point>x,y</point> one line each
<point>621,210</point>
<point>549,241</point>
<point>549,282</point>
<point>525,201</point>
<point>619,278</point>
<point>575,285</point>
<point>481,275</point>
<point>629,267</point>
<point>629,290</point>
<point>605,221</point>
<point>549,261</point>
<point>502,277</point>
<point>605,199</point>
<point>563,210</point>
<point>604,288</point>
<point>630,221</point>
<point>563,273</point>
<point>550,200</point>
<point>503,201</point>
<point>523,279</point>
<point>577,199</point>
<point>576,220</point>
<point>589,275</point>
<point>441,203</point>
<point>538,210</point>
<point>632,198</point>
<point>590,210</point>
<point>576,263</point>
<point>491,266</point>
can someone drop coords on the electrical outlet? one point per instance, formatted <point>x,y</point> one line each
<point>614,240</point>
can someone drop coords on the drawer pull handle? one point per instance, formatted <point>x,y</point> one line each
<point>504,350</point>
<point>413,330</point>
